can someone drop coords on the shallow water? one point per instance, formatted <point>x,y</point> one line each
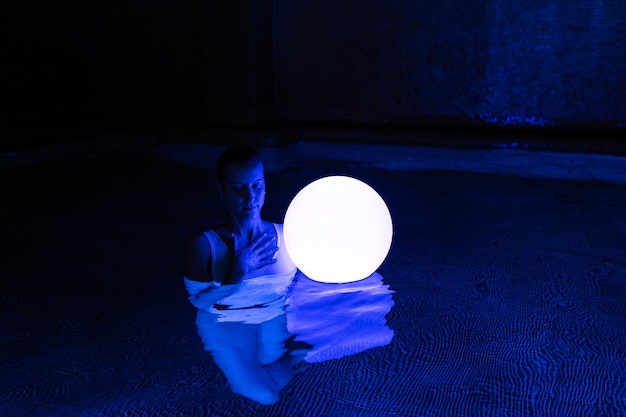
<point>508,273</point>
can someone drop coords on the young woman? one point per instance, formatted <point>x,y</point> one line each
<point>244,246</point>
<point>237,275</point>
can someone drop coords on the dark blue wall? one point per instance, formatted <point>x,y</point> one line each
<point>502,62</point>
<point>558,63</point>
<point>71,62</point>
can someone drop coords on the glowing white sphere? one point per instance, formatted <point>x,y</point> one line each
<point>337,229</point>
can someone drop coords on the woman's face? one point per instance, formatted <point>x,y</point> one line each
<point>243,190</point>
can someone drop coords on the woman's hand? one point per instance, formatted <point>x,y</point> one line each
<point>256,255</point>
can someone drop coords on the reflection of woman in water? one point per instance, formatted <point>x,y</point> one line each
<point>237,270</point>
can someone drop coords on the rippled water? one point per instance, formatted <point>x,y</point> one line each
<point>504,294</point>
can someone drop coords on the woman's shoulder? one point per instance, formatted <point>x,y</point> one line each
<point>205,237</point>
<point>195,237</point>
<point>277,226</point>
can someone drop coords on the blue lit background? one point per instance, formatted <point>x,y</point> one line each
<point>508,63</point>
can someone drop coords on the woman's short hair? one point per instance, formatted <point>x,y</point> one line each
<point>236,155</point>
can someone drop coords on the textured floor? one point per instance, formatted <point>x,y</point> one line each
<point>508,270</point>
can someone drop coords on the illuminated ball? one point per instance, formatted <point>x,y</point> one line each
<point>337,229</point>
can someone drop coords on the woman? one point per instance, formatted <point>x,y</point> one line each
<point>244,246</point>
<point>237,275</point>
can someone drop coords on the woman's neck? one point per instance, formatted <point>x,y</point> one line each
<point>247,229</point>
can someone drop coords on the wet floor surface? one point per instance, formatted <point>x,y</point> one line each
<point>508,270</point>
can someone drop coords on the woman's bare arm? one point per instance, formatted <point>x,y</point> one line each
<point>197,258</point>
